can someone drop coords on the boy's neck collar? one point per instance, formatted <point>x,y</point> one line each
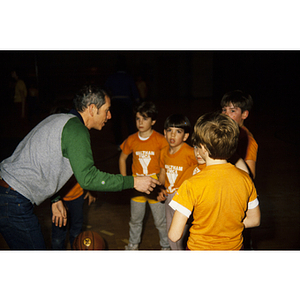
<point>210,162</point>
<point>176,149</point>
<point>146,136</point>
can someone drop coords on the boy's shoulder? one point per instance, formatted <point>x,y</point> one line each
<point>157,134</point>
<point>244,131</point>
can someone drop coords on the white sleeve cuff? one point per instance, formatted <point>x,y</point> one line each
<point>253,204</point>
<point>176,206</point>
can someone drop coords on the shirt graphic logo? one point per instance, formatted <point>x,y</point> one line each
<point>172,174</point>
<point>144,159</point>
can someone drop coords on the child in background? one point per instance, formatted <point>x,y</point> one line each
<point>223,198</point>
<point>174,161</point>
<point>237,106</point>
<point>145,147</point>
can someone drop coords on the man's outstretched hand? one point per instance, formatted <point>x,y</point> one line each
<point>145,184</point>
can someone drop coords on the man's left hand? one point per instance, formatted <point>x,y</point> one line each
<point>59,214</point>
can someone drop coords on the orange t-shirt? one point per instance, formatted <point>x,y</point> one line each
<point>74,193</point>
<point>193,170</point>
<point>175,165</point>
<point>145,157</point>
<point>145,153</point>
<point>247,146</point>
<point>218,197</point>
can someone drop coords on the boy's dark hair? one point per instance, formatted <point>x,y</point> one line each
<point>218,133</point>
<point>178,121</point>
<point>147,109</point>
<point>238,99</point>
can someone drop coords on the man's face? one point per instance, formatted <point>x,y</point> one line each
<point>102,115</point>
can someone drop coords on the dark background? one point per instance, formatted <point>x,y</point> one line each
<point>271,77</point>
<point>191,82</point>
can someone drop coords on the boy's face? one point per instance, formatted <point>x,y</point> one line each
<point>143,124</point>
<point>235,113</point>
<point>175,136</point>
<point>199,158</point>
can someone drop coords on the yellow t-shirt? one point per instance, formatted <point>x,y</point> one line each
<point>193,170</point>
<point>20,91</point>
<point>218,197</point>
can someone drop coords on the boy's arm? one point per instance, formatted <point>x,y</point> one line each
<point>251,164</point>
<point>252,218</point>
<point>161,178</point>
<point>122,163</point>
<point>177,226</point>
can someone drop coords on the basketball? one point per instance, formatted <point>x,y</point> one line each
<point>88,240</point>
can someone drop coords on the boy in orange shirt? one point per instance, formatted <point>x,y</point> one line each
<point>174,161</point>
<point>237,106</point>
<point>223,198</point>
<point>145,147</point>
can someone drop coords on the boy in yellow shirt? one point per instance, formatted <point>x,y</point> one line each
<point>223,198</point>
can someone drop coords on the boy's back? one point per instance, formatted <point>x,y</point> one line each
<point>219,195</point>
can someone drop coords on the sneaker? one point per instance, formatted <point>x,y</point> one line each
<point>132,247</point>
<point>165,248</point>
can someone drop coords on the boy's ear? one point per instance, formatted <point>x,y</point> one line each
<point>165,133</point>
<point>185,137</point>
<point>204,150</point>
<point>153,122</point>
<point>245,114</point>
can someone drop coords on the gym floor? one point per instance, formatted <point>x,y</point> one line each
<point>277,181</point>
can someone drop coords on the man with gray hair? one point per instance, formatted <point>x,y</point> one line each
<point>45,160</point>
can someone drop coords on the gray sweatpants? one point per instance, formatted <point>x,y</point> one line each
<point>180,244</point>
<point>138,210</point>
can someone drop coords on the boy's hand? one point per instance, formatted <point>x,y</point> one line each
<point>162,196</point>
<point>90,197</point>
<point>145,184</point>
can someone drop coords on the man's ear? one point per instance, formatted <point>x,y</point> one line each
<point>91,109</point>
<point>245,114</point>
<point>185,137</point>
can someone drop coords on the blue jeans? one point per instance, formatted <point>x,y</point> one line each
<point>19,226</point>
<point>75,222</point>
